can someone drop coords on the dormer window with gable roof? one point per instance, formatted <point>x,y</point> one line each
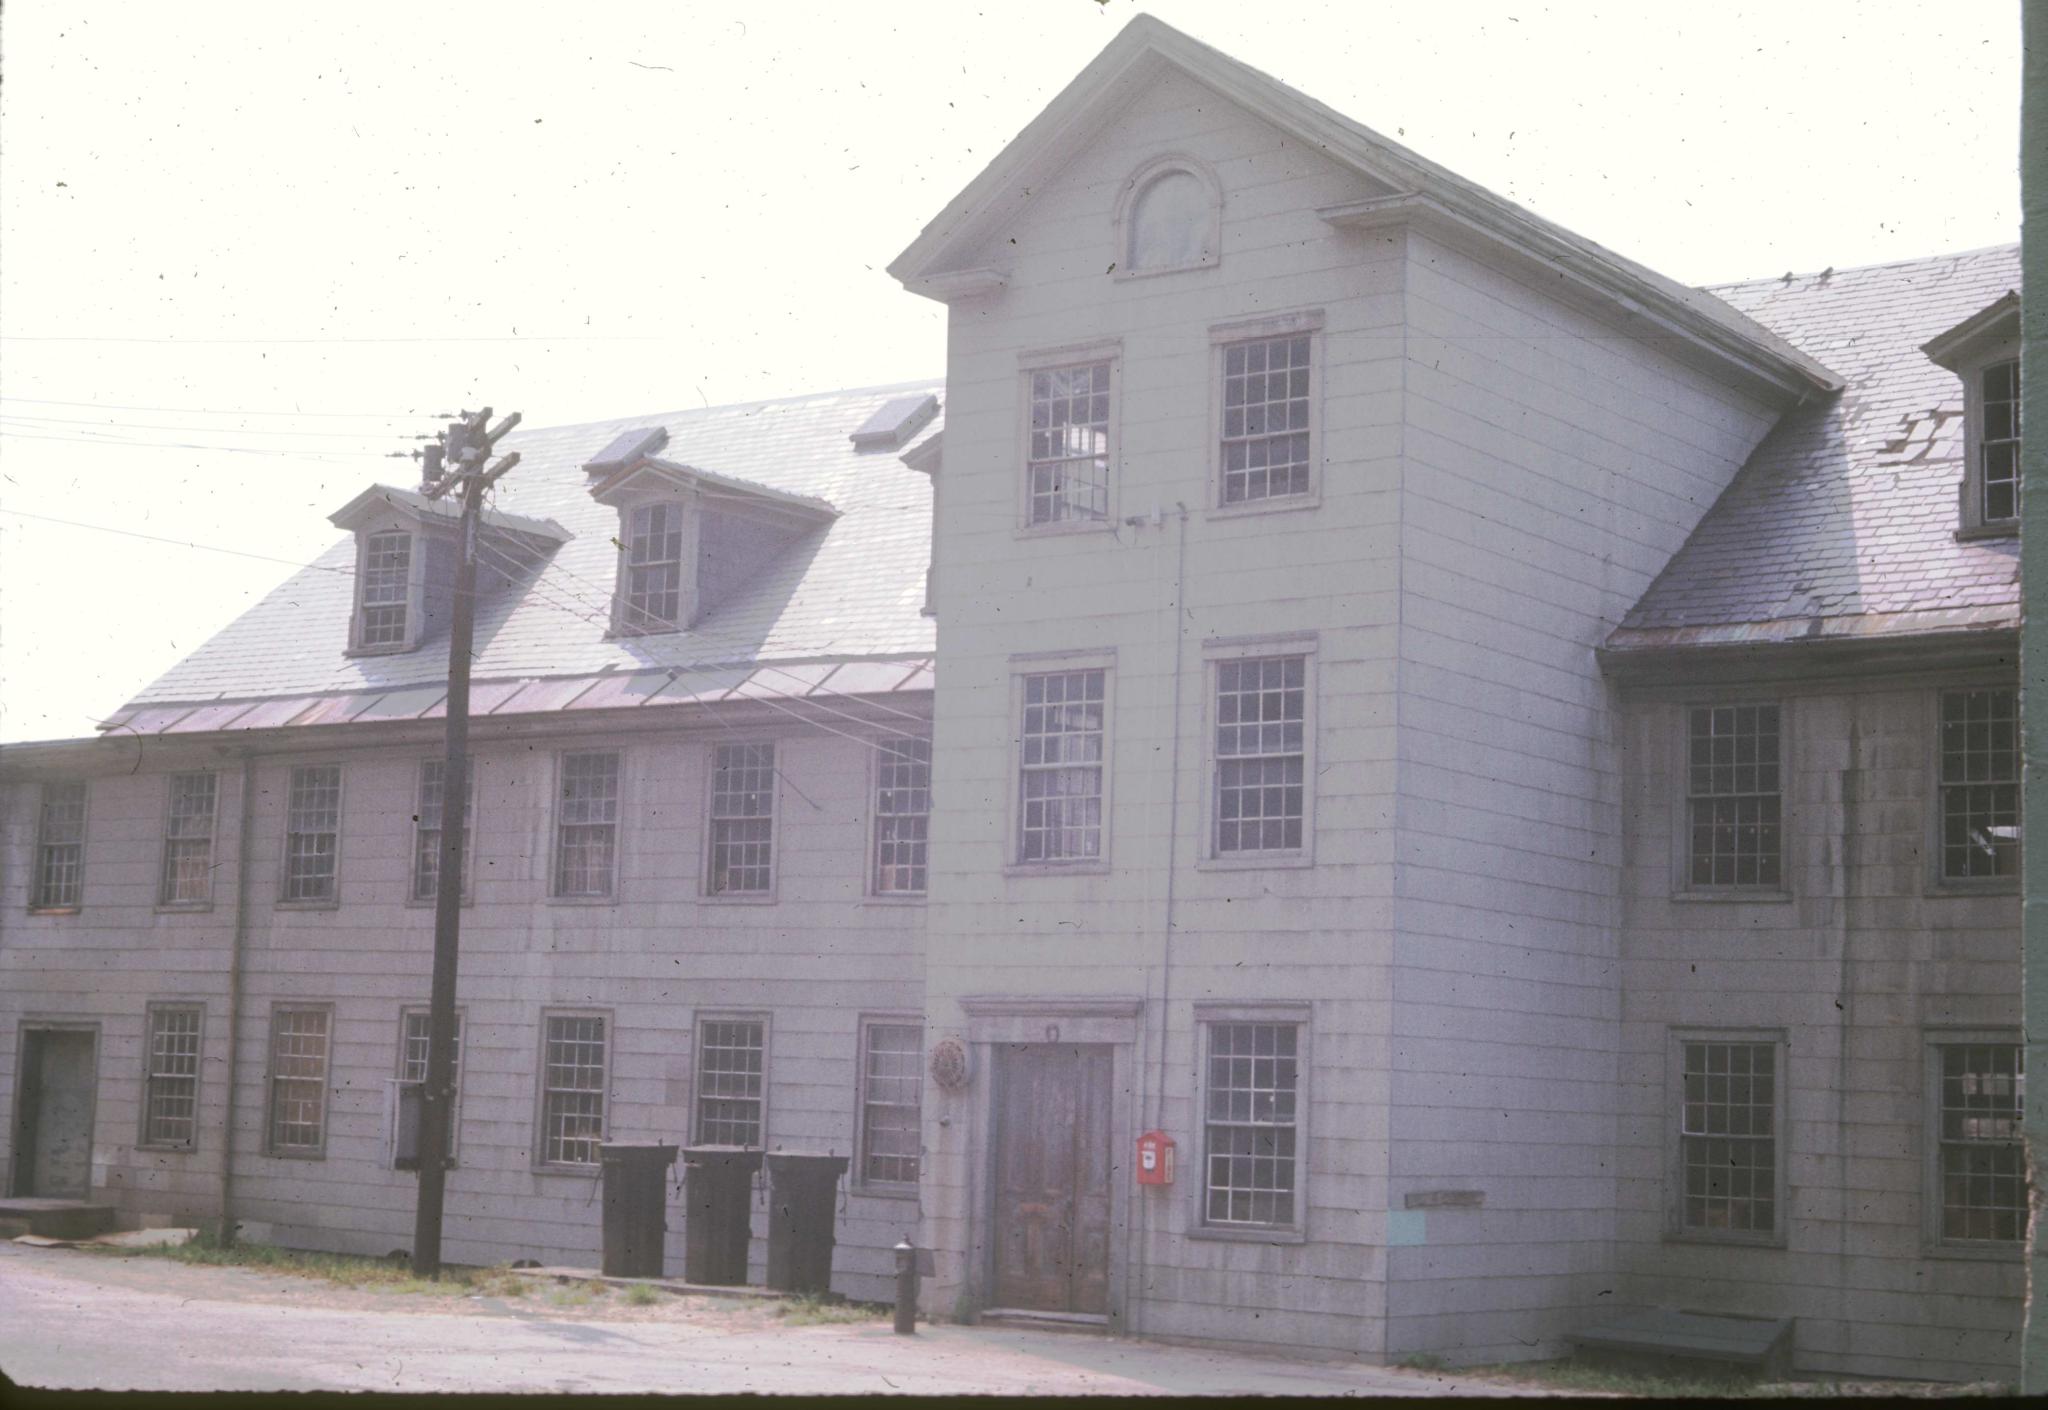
<point>384,591</point>
<point>1983,350</point>
<point>651,599</point>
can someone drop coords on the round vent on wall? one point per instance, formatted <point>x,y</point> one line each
<point>950,1066</point>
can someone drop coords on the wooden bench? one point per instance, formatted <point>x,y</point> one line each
<point>1665,1336</point>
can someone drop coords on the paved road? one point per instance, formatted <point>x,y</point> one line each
<point>72,1319</point>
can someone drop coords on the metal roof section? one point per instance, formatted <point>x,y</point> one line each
<point>1843,525</point>
<point>895,421</point>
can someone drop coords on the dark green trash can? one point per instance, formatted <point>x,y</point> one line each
<point>803,1211</point>
<point>635,1206</point>
<point>718,1190</point>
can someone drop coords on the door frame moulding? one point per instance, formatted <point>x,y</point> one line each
<point>18,1148</point>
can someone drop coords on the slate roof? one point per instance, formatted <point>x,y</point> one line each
<point>1842,524</point>
<point>850,591</point>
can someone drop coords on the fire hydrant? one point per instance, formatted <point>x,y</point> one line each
<point>906,1288</point>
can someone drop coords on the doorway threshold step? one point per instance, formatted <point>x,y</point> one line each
<point>58,1218</point>
<point>1048,1321</point>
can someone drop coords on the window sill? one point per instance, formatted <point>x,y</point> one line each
<point>1287,504</point>
<point>355,651</point>
<point>738,898</point>
<point>1120,273</point>
<point>308,905</point>
<point>902,898</point>
<point>1066,528</point>
<point>165,1148</point>
<point>1717,1239</point>
<point>582,901</point>
<point>895,1192</point>
<point>1215,1233</point>
<point>320,1154</point>
<point>54,910</point>
<point>2014,1252</point>
<point>1759,897</point>
<point>430,903</point>
<point>1989,531</point>
<point>1089,868</point>
<point>1256,861</point>
<point>574,1172</point>
<point>1999,886</point>
<point>182,908</point>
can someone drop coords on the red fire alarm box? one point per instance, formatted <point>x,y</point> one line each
<point>1155,1158</point>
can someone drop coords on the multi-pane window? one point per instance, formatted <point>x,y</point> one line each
<point>412,1059</point>
<point>386,589</point>
<point>742,820</point>
<point>892,1078</point>
<point>170,1102</point>
<point>903,810</point>
<point>1265,419</point>
<point>730,1062</point>
<point>60,848</point>
<point>1261,759</point>
<point>298,1080</point>
<point>1061,767</point>
<point>1983,1160</point>
<point>1250,1132</point>
<point>1733,783</point>
<point>653,590</point>
<point>188,841</point>
<point>1980,784</point>
<point>587,824</point>
<point>1998,443</point>
<point>427,828</point>
<point>573,1066</point>
<point>1728,1145</point>
<point>1068,476</point>
<point>312,835</point>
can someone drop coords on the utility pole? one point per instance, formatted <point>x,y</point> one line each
<point>455,463</point>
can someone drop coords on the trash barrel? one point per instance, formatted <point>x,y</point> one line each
<point>803,1203</point>
<point>635,1177</point>
<point>718,1184</point>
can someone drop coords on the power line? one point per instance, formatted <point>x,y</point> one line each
<point>278,342</point>
<point>230,430</point>
<point>105,442</point>
<point>176,543</point>
<point>413,415</point>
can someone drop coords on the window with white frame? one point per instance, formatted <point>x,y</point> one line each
<point>170,1099</point>
<point>428,815</point>
<point>1061,766</point>
<point>892,1093</point>
<point>651,594</point>
<point>587,825</point>
<point>1981,1157</point>
<point>1266,405</point>
<point>1067,475</point>
<point>1728,1137</point>
<point>1260,780</point>
<point>575,1058</point>
<point>59,881</point>
<point>1733,787</point>
<point>742,820</point>
<point>312,836</point>
<point>1250,1136</point>
<point>731,1063</point>
<point>903,810</point>
<point>384,591</point>
<point>413,1043</point>
<point>1998,443</point>
<point>1980,785</point>
<point>187,878</point>
<point>298,1079</point>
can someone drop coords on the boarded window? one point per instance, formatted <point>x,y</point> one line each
<point>170,1103</point>
<point>188,841</point>
<point>1983,1159</point>
<point>1265,419</point>
<point>892,1076</point>
<point>903,808</point>
<point>412,1060</point>
<point>1068,468</point>
<point>298,1080</point>
<point>731,1057</point>
<point>653,596</point>
<point>312,838</point>
<point>1728,1143</point>
<point>1063,752</point>
<point>1261,759</point>
<point>1980,784</point>
<point>60,847</point>
<point>1733,786</point>
<point>1998,443</point>
<point>587,825</point>
<point>743,820</point>
<point>1250,1133</point>
<point>427,828</point>
<point>386,589</point>
<point>1171,223</point>
<point>573,1089</point>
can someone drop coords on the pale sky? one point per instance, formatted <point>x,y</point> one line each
<point>245,248</point>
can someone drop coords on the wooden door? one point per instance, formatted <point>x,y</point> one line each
<point>58,1079</point>
<point>1052,1174</point>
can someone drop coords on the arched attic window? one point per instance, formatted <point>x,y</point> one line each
<point>1170,218</point>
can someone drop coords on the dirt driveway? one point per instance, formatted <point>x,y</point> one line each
<point>88,1320</point>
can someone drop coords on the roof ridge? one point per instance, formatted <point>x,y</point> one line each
<point>1837,270</point>
<point>654,417</point>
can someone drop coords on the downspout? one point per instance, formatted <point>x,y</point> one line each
<point>1845,873</point>
<point>240,944</point>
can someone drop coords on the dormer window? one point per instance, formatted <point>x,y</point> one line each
<point>384,591</point>
<point>1983,350</point>
<point>1170,218</point>
<point>653,595</point>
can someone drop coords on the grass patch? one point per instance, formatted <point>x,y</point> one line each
<point>822,1312</point>
<point>641,1295</point>
<point>1578,1373</point>
<point>340,1269</point>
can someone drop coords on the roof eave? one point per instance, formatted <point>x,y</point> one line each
<point>1868,644</point>
<point>1997,323</point>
